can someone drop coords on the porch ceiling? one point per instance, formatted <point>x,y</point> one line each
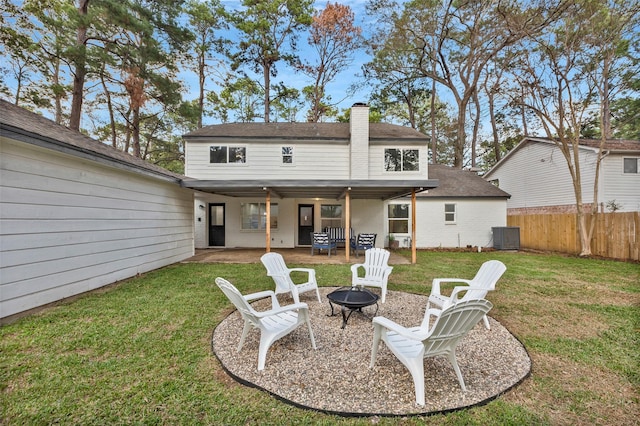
<point>327,189</point>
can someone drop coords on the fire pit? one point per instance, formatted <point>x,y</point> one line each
<point>352,299</point>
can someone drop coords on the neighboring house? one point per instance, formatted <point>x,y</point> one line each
<point>317,175</point>
<point>76,214</point>
<point>536,175</point>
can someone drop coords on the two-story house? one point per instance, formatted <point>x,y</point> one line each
<point>304,177</point>
<point>536,175</point>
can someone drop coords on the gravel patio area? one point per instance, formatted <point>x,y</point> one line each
<point>336,377</point>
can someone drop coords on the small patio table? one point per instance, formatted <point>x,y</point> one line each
<point>352,299</point>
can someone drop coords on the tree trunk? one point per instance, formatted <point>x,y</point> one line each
<point>80,70</point>
<point>267,82</point>
<point>136,131</point>
<point>434,140</point>
<point>201,76</point>
<point>458,149</point>
<point>476,128</point>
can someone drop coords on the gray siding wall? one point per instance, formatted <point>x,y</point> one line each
<point>616,185</point>
<point>537,175</point>
<point>68,225</point>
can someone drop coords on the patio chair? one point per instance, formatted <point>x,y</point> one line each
<point>412,345</point>
<point>281,275</point>
<point>363,242</point>
<point>273,324</point>
<point>476,288</point>
<point>321,241</point>
<point>376,271</point>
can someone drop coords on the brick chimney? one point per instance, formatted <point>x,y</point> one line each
<point>359,147</point>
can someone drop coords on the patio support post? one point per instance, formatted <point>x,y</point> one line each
<point>268,224</point>
<point>347,224</point>
<point>413,227</point>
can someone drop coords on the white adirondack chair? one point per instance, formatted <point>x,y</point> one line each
<point>476,288</point>
<point>376,271</point>
<point>412,345</point>
<point>281,275</point>
<point>273,324</point>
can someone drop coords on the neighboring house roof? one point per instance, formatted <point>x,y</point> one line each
<point>266,132</point>
<point>613,146</point>
<point>20,124</point>
<point>457,183</point>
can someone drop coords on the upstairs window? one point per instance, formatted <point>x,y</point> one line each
<point>401,160</point>
<point>287,155</point>
<point>227,154</point>
<point>631,165</point>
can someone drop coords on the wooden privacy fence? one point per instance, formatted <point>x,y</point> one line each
<point>616,235</point>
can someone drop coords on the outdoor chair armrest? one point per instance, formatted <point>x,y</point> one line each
<point>354,268</point>
<point>413,333</point>
<point>281,309</point>
<point>311,272</point>
<point>261,294</point>
<point>435,284</point>
<point>459,289</point>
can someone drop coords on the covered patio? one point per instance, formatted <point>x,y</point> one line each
<point>319,189</point>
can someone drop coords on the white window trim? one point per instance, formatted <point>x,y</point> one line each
<point>455,214</point>
<point>246,155</point>
<point>292,155</point>
<point>637,165</point>
<point>402,150</point>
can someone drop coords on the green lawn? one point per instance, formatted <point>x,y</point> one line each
<point>139,352</point>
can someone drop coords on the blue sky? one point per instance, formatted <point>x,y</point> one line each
<point>337,89</point>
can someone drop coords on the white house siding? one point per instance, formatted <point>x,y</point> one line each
<point>474,220</point>
<point>623,188</point>
<point>548,183</point>
<point>310,161</point>
<point>68,225</point>
<point>235,237</point>
<point>368,216</point>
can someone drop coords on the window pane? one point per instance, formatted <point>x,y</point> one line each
<point>631,165</point>
<point>392,160</point>
<point>287,155</point>
<point>237,155</point>
<point>410,160</point>
<point>398,211</point>
<point>254,216</point>
<point>449,212</point>
<point>398,226</point>
<point>331,211</point>
<point>274,216</point>
<point>251,216</point>
<point>218,154</point>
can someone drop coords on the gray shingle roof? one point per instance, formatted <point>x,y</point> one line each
<point>16,122</point>
<point>305,131</point>
<point>457,183</point>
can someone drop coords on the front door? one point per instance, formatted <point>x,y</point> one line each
<point>216,225</point>
<point>305,224</point>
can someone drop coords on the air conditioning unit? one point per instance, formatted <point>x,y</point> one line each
<point>506,237</point>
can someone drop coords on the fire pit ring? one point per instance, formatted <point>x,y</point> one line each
<point>352,299</point>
